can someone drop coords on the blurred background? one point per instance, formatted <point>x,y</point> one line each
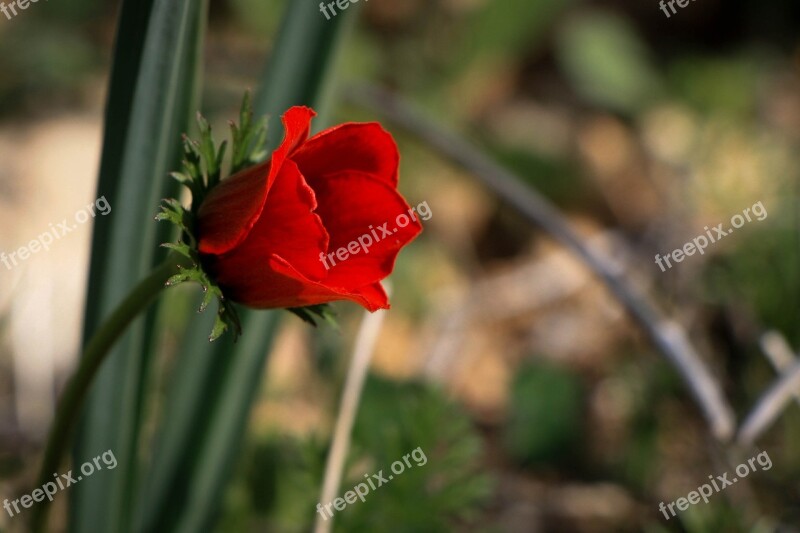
<point>539,404</point>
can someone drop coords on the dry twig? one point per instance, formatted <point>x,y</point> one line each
<point>668,337</point>
<point>773,402</point>
<point>351,397</point>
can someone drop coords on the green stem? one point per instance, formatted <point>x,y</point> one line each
<point>93,356</point>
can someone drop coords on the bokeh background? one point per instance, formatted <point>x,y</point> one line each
<point>539,404</point>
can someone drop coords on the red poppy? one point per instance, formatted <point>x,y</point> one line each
<point>289,232</point>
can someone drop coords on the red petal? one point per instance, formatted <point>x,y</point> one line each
<point>309,292</point>
<point>232,208</point>
<point>279,284</point>
<point>353,206</point>
<point>364,147</point>
<point>289,228</point>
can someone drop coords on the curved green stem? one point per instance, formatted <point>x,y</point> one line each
<point>93,356</point>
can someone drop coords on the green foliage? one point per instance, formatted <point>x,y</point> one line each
<point>150,98</point>
<point>41,58</point>
<point>511,27</point>
<point>249,140</point>
<point>394,419</point>
<point>607,62</point>
<point>283,478</point>
<point>311,313</point>
<point>213,386</point>
<point>202,171</point>
<point>442,487</point>
<point>637,461</point>
<point>715,84</point>
<point>772,296</point>
<point>547,414</point>
<point>259,18</point>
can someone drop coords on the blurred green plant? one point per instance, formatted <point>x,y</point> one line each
<point>502,29</point>
<point>773,298</point>
<point>728,86</point>
<point>42,60</point>
<point>394,419</point>
<point>606,61</point>
<point>545,425</point>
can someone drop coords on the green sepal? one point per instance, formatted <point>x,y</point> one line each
<point>173,212</point>
<point>202,171</point>
<point>227,317</point>
<point>180,247</point>
<point>311,313</point>
<point>249,138</point>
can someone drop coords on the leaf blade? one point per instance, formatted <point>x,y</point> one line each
<point>184,490</point>
<point>150,98</point>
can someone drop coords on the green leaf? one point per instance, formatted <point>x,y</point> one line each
<point>546,421</point>
<point>212,387</point>
<point>444,481</point>
<point>303,60</point>
<point>607,61</point>
<point>150,100</point>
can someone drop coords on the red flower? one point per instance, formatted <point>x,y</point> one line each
<point>273,235</point>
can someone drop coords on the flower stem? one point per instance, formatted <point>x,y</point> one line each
<point>93,356</point>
